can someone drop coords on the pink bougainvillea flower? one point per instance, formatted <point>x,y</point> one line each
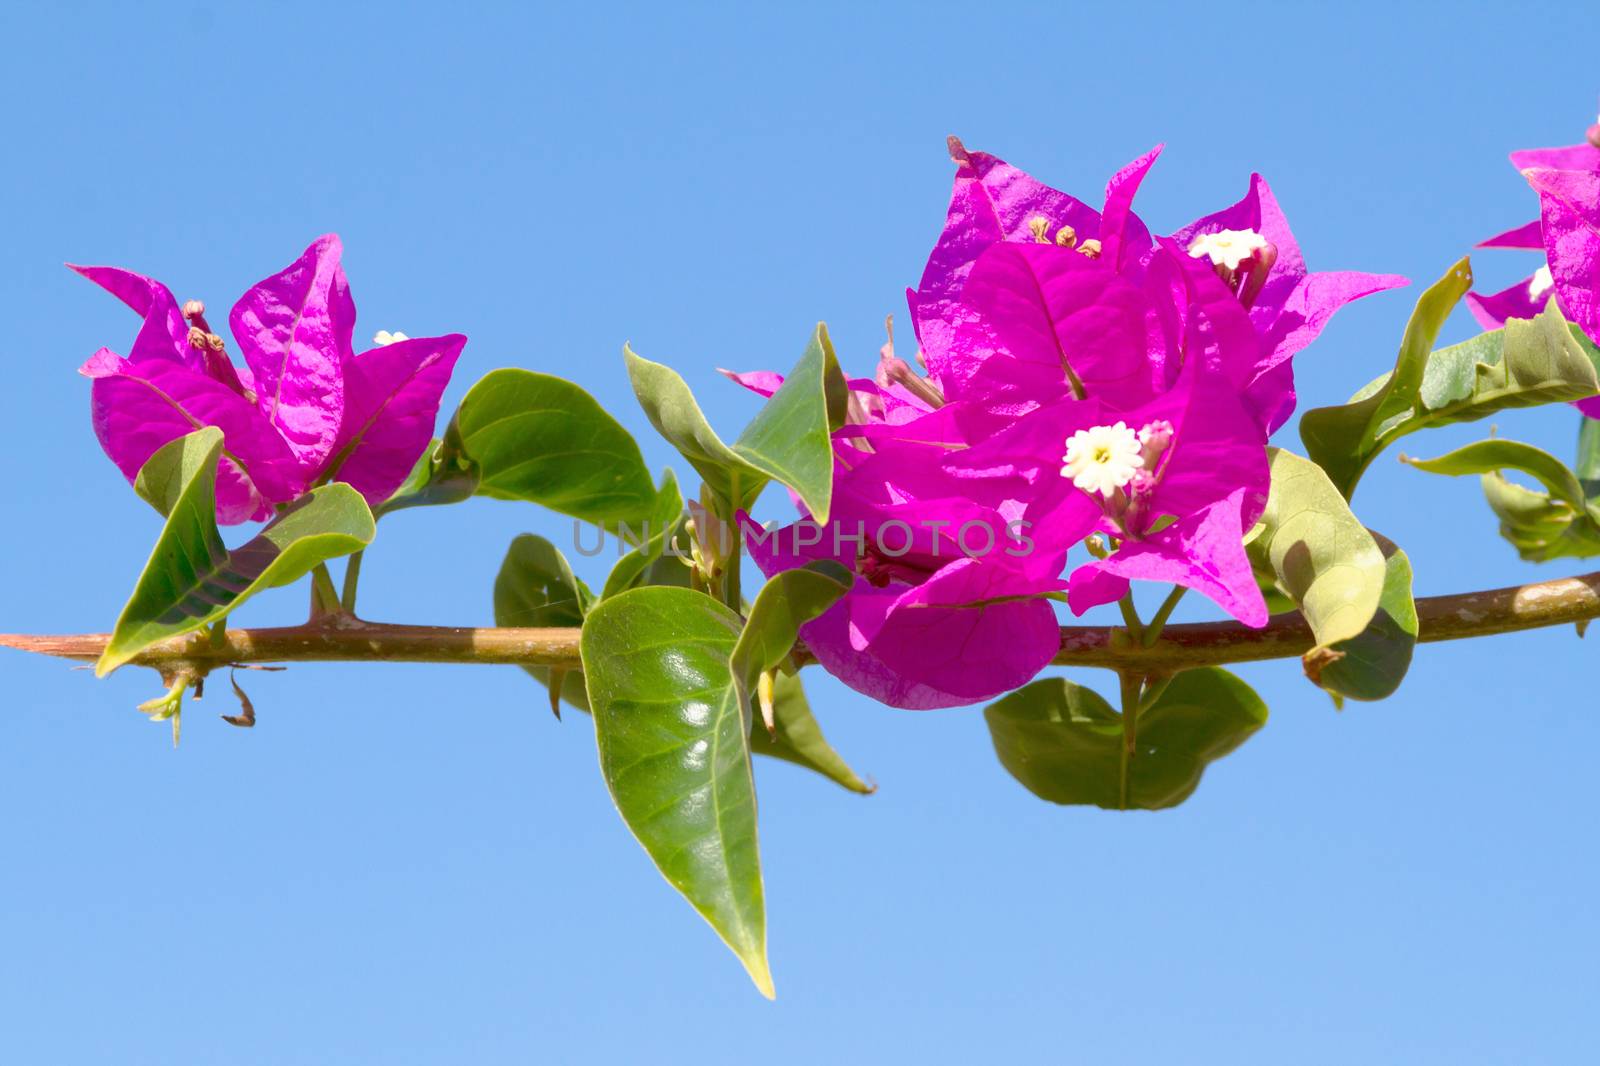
<point>1176,482</point>
<point>303,410</point>
<point>944,610</point>
<point>1249,246</point>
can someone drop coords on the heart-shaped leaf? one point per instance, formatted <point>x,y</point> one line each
<point>1066,744</point>
<point>675,753</point>
<point>543,439</point>
<point>1558,523</point>
<point>192,579</point>
<point>536,588</point>
<point>788,440</point>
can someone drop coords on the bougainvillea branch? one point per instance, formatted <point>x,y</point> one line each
<point>1563,601</point>
<point>1087,405</point>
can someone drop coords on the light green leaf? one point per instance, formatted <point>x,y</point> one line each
<point>192,579</point>
<point>1065,743</point>
<point>1525,364</point>
<point>675,753</point>
<point>1557,523</point>
<point>1372,665</point>
<point>1321,556</point>
<point>540,438</point>
<point>536,588</point>
<point>788,440</point>
<point>798,738</point>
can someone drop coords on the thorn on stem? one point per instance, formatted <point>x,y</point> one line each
<point>558,677</point>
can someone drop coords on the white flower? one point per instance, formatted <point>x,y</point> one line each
<point>1227,248</point>
<point>383,337</point>
<point>1540,283</point>
<point>1102,459</point>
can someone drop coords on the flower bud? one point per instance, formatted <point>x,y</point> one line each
<point>713,540</point>
<point>193,308</point>
<point>1594,135</point>
<point>1153,441</point>
<point>896,371</point>
<point>1066,237</point>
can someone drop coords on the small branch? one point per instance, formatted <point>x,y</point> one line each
<point>1564,601</point>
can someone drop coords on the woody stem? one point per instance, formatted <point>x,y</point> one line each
<point>340,638</point>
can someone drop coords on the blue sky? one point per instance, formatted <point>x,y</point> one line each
<point>417,864</point>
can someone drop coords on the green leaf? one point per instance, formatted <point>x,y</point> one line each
<point>1588,467</point>
<point>788,440</point>
<point>192,579</point>
<point>798,738</point>
<point>1529,362</point>
<point>176,466</point>
<point>1557,523</point>
<point>543,439</point>
<point>1065,743</point>
<point>786,602</point>
<point>657,532</point>
<point>536,588</point>
<point>439,477</point>
<point>1372,665</point>
<point>1321,556</point>
<point>675,753</point>
<point>665,566</point>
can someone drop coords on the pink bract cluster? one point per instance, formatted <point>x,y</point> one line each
<point>1567,231</point>
<point>303,410</point>
<point>1085,381</point>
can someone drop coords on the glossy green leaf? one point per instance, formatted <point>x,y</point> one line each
<point>1320,555</point>
<point>536,588</point>
<point>1371,666</point>
<point>1065,744</point>
<point>1557,523</point>
<point>1529,362</point>
<point>788,440</point>
<point>675,753</point>
<point>192,579</point>
<point>543,439</point>
<point>798,738</point>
